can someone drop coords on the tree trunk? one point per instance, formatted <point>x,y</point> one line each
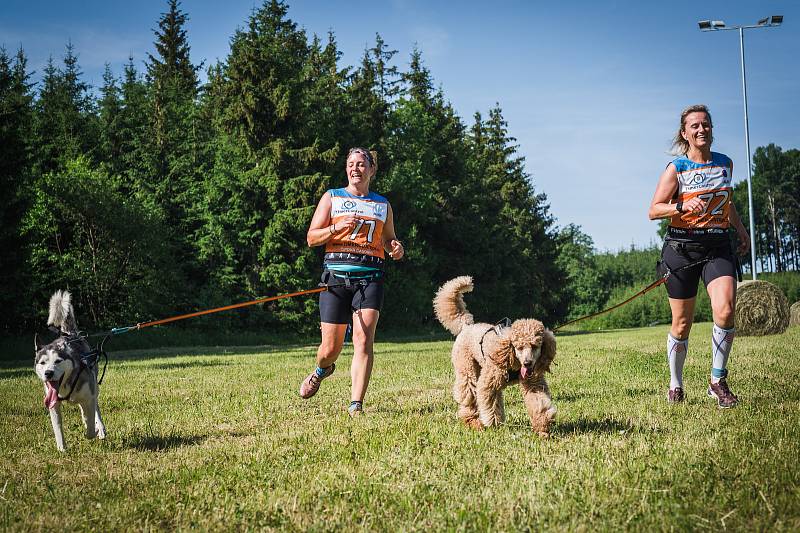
<point>775,236</point>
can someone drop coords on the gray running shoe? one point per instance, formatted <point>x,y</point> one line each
<point>725,398</point>
<point>310,385</point>
<point>676,395</point>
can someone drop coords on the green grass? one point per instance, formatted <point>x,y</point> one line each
<point>217,439</point>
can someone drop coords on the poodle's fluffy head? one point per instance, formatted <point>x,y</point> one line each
<point>528,347</point>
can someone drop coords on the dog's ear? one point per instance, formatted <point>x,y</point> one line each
<point>36,344</point>
<point>548,351</point>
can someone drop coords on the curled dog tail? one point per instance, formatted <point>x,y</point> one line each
<point>449,306</point>
<point>62,315</point>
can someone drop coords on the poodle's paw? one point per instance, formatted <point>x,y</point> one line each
<point>475,424</point>
<point>541,425</point>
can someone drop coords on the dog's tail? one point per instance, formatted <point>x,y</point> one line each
<point>449,306</point>
<point>62,315</point>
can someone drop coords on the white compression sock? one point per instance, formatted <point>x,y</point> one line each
<point>676,357</point>
<point>721,342</point>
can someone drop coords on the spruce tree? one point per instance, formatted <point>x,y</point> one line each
<point>176,141</point>
<point>430,190</point>
<point>531,282</point>
<point>173,88</point>
<point>109,111</point>
<point>133,133</point>
<point>277,99</point>
<point>16,110</point>
<point>65,123</point>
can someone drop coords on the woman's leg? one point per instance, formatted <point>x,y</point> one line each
<point>678,344</point>
<point>682,317</point>
<point>722,291</point>
<point>331,345</point>
<point>364,323</point>
<point>327,353</point>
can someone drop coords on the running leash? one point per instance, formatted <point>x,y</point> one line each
<point>656,283</point>
<point>142,325</point>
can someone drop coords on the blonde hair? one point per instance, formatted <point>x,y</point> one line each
<point>680,145</point>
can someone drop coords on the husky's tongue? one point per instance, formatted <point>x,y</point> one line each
<point>524,372</point>
<point>51,394</point>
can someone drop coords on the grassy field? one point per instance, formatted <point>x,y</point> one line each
<point>218,439</point>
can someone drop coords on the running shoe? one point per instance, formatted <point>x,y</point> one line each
<point>310,385</point>
<point>676,395</point>
<point>725,398</point>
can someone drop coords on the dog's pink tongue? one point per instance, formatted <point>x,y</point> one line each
<point>50,396</point>
<point>524,372</point>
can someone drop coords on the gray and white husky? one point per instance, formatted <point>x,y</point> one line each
<point>64,373</point>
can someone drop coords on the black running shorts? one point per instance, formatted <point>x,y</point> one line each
<point>682,284</point>
<point>339,302</point>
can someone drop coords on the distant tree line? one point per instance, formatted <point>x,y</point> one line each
<point>157,193</point>
<point>776,203</point>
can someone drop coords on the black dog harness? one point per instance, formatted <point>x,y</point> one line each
<point>497,328</point>
<point>86,361</point>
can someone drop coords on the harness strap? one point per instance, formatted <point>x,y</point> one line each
<point>497,328</point>
<point>74,382</point>
<point>483,355</point>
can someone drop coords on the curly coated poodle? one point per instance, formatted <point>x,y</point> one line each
<point>487,358</point>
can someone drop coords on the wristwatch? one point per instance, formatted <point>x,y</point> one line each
<point>679,206</point>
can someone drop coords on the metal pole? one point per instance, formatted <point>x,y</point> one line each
<point>749,165</point>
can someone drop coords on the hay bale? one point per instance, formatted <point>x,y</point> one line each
<point>761,309</point>
<point>794,314</point>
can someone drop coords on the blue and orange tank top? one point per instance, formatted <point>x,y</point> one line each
<point>712,182</point>
<point>363,245</point>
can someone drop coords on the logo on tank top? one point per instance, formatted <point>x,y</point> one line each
<point>697,178</point>
<point>348,204</point>
<point>379,209</point>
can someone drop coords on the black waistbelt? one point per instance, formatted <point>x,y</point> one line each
<point>338,278</point>
<point>694,233</point>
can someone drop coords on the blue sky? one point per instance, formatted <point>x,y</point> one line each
<point>591,90</point>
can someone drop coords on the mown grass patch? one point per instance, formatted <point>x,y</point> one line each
<point>218,439</point>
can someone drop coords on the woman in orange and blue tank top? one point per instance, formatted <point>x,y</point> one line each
<point>357,228</point>
<point>695,193</point>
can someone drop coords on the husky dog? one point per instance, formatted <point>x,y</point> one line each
<point>65,374</point>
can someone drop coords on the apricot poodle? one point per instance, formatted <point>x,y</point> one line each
<point>487,358</point>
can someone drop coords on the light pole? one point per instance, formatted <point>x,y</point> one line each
<point>717,25</point>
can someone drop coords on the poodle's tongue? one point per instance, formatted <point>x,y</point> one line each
<point>51,394</point>
<point>524,372</point>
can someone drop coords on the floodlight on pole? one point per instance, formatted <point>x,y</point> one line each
<point>717,25</point>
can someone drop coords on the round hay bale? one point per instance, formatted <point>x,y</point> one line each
<point>761,309</point>
<point>794,314</point>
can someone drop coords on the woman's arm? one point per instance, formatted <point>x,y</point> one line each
<point>321,230</point>
<point>390,242</point>
<point>661,206</point>
<point>741,232</point>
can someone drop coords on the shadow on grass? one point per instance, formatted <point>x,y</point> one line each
<point>155,443</point>
<point>568,396</point>
<point>584,426</point>
<point>188,364</point>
